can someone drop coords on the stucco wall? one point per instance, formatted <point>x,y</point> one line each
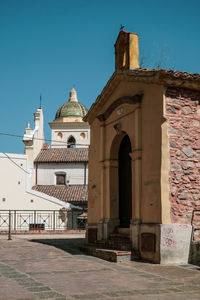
<point>95,183</point>
<point>152,119</point>
<point>183,115</point>
<point>34,139</point>
<point>15,192</point>
<point>149,129</point>
<point>75,173</point>
<point>80,131</point>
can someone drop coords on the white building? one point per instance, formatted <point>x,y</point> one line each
<point>15,190</point>
<point>27,206</point>
<point>48,178</point>
<point>62,170</point>
<point>68,126</point>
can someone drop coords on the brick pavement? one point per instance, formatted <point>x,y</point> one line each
<point>52,267</point>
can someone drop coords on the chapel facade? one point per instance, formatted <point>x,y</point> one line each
<point>144,158</point>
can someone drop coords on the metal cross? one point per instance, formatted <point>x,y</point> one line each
<point>122,26</point>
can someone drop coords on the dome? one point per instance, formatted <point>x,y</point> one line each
<point>71,108</point>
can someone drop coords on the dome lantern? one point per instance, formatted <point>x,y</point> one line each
<point>73,95</point>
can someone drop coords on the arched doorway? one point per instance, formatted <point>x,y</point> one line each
<point>125,182</point>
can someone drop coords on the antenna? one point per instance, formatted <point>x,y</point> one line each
<point>40,101</point>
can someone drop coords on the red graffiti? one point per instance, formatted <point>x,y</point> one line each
<point>169,242</point>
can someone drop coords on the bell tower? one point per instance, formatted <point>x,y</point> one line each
<point>126,51</point>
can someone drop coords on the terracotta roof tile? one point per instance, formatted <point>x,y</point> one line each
<point>62,155</point>
<point>45,146</point>
<point>156,76</point>
<point>67,193</point>
<point>167,73</point>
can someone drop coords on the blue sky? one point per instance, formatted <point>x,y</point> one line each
<point>49,46</point>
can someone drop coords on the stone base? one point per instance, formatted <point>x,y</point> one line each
<point>157,243</point>
<point>165,243</point>
<point>135,233</point>
<point>195,253</point>
<point>175,243</point>
<point>91,233</point>
<point>105,227</point>
<point>110,255</point>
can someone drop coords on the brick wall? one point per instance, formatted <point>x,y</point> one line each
<point>183,115</point>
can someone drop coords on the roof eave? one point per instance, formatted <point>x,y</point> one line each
<point>152,76</point>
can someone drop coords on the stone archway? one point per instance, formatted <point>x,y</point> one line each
<point>121,180</point>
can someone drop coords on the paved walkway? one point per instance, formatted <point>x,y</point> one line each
<point>51,267</point>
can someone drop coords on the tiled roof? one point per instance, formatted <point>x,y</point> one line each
<point>45,146</point>
<point>67,193</point>
<point>154,76</point>
<point>60,155</point>
<point>164,73</point>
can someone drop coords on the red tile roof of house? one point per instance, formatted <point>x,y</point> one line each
<point>62,155</point>
<point>67,193</point>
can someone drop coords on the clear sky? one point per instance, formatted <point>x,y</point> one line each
<point>49,46</point>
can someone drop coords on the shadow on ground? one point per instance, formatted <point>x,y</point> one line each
<point>69,245</point>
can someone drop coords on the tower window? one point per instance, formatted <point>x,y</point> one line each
<point>82,135</point>
<point>60,178</point>
<point>60,135</point>
<point>71,142</point>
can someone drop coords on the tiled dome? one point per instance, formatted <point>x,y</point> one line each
<point>71,108</point>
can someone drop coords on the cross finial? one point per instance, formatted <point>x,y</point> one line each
<point>122,27</point>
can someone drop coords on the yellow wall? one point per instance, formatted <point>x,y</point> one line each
<point>151,131</point>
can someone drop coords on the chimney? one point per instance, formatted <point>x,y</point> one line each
<point>126,51</point>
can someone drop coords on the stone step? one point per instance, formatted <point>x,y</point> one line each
<point>114,244</point>
<point>120,246</point>
<point>119,236</point>
<point>125,231</point>
<point>109,254</point>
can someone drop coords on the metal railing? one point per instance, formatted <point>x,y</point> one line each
<point>31,220</point>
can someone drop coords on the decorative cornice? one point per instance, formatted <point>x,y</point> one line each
<point>123,100</point>
<point>166,78</point>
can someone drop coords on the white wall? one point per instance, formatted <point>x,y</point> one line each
<point>15,192</point>
<point>46,173</point>
<point>70,129</point>
<point>34,139</point>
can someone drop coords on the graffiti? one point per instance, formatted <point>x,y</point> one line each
<point>169,231</point>
<point>169,242</point>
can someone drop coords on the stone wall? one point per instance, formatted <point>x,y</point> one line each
<point>182,111</point>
